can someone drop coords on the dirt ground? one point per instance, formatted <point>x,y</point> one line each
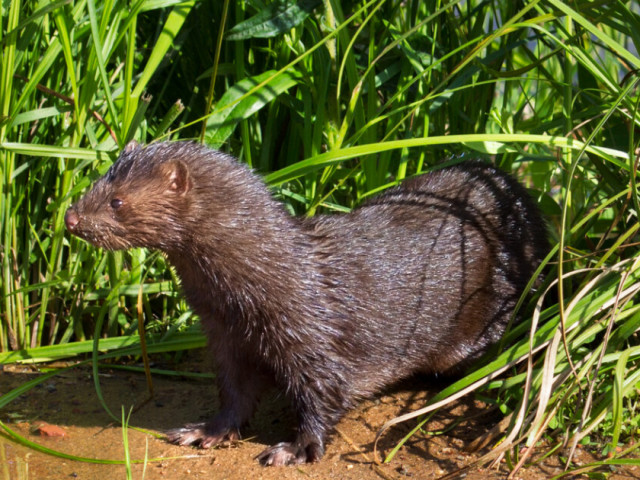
<point>69,401</point>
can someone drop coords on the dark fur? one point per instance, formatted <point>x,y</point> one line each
<point>331,309</point>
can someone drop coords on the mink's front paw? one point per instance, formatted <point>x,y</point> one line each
<point>204,435</point>
<point>291,453</point>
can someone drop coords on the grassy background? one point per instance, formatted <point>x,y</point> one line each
<point>333,101</point>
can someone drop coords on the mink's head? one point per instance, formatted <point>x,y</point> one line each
<point>144,200</point>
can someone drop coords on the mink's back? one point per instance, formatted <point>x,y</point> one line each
<point>431,270</point>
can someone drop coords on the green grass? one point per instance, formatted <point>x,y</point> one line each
<point>332,102</point>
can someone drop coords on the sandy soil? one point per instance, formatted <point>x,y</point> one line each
<point>69,401</point>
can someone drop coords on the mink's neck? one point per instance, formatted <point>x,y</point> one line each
<point>244,268</point>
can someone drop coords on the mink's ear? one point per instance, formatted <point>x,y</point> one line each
<point>131,146</point>
<point>177,176</point>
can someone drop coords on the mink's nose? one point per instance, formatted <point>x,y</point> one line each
<point>71,219</point>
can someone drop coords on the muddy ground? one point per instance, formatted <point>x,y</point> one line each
<point>69,401</point>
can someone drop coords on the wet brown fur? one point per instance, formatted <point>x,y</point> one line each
<point>423,278</point>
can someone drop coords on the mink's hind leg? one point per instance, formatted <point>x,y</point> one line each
<point>239,393</point>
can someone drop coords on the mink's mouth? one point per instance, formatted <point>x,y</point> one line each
<point>102,241</point>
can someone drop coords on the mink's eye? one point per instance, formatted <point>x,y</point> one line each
<point>116,203</point>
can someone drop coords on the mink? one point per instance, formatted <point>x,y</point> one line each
<point>330,309</point>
